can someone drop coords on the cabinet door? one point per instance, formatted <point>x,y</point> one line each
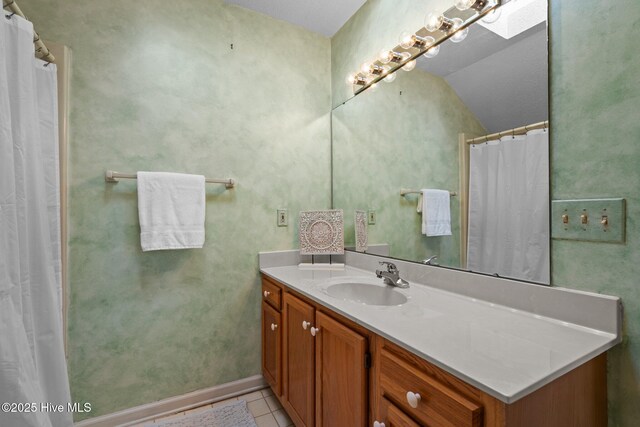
<point>271,347</point>
<point>299,360</point>
<point>340,375</point>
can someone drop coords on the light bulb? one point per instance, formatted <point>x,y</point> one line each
<point>458,35</point>
<point>365,68</point>
<point>355,79</point>
<point>492,16</point>
<point>463,4</point>
<point>390,77</point>
<point>429,41</point>
<point>409,65</point>
<point>432,52</point>
<point>385,56</point>
<point>434,21</point>
<point>406,40</point>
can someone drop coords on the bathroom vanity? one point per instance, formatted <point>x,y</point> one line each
<point>336,354</point>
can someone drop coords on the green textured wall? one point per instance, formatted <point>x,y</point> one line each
<point>404,135</point>
<point>156,86</point>
<point>595,98</point>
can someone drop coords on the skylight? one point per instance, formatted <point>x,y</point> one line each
<point>518,16</point>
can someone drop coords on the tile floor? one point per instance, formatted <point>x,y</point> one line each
<point>265,407</point>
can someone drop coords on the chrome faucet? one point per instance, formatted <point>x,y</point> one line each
<point>430,260</point>
<point>392,275</point>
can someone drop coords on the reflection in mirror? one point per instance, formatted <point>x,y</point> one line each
<point>411,134</point>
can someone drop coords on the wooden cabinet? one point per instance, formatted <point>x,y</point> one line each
<point>272,334</point>
<point>577,399</point>
<point>299,360</point>
<point>272,347</point>
<point>341,383</point>
<point>317,363</point>
<point>422,396</point>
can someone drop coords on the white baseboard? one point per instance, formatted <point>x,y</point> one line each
<point>175,404</point>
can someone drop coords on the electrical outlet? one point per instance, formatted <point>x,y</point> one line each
<point>283,218</point>
<point>371,217</point>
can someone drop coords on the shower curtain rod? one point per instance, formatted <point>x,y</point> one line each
<point>41,50</point>
<point>517,131</point>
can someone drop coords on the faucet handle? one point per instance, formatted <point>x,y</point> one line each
<point>391,267</point>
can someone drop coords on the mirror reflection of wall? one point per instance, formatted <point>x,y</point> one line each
<point>406,135</point>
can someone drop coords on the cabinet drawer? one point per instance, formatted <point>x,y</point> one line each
<point>393,417</point>
<point>272,293</point>
<point>437,405</point>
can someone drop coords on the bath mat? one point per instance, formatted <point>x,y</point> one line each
<point>234,414</point>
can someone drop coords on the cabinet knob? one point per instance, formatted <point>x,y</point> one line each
<point>314,331</point>
<point>273,326</point>
<point>305,324</point>
<point>378,424</point>
<point>413,399</point>
<point>266,294</point>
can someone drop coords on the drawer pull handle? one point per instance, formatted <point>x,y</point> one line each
<point>305,324</point>
<point>378,424</point>
<point>314,331</point>
<point>273,326</point>
<point>266,294</point>
<point>413,399</point>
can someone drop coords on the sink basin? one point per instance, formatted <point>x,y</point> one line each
<point>366,293</point>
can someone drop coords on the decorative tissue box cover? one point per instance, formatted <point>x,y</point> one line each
<point>362,240</point>
<point>322,232</point>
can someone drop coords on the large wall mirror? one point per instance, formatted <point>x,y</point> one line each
<point>411,134</point>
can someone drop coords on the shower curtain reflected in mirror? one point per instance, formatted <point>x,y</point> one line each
<point>32,362</point>
<point>509,207</point>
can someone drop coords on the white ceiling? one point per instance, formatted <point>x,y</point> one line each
<point>325,17</point>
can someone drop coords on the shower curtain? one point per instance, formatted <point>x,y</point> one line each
<point>33,372</point>
<point>509,207</point>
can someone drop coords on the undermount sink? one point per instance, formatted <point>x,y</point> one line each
<point>366,293</point>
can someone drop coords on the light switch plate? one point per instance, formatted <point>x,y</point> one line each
<point>595,220</point>
<point>283,218</point>
<point>371,217</point>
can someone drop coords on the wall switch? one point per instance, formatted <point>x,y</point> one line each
<point>283,218</point>
<point>594,220</point>
<point>371,217</point>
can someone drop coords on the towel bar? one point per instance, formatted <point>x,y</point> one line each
<point>404,192</point>
<point>113,176</point>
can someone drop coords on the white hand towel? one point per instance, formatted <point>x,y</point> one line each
<point>436,213</point>
<point>171,210</point>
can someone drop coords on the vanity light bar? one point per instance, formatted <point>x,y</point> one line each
<point>399,56</point>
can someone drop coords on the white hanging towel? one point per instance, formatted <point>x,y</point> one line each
<point>171,210</point>
<point>436,213</point>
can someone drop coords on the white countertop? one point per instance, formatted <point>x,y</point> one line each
<point>504,352</point>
